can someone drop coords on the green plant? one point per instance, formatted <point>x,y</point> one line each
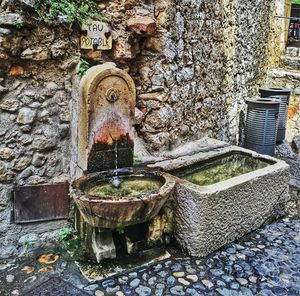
<point>83,67</point>
<point>27,244</point>
<point>172,142</point>
<point>65,233</point>
<point>19,11</point>
<point>70,10</point>
<point>70,242</point>
<point>16,23</point>
<point>76,248</point>
<point>120,230</point>
<point>136,159</point>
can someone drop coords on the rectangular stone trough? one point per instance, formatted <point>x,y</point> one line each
<point>252,190</point>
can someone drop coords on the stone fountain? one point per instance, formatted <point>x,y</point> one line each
<point>108,192</point>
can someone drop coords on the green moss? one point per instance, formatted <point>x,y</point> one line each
<point>129,189</point>
<point>224,169</point>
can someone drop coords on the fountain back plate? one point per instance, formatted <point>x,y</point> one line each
<point>105,138</point>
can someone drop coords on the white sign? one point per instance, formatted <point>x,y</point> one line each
<point>96,35</point>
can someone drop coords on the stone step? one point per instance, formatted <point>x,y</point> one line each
<point>292,52</point>
<point>283,77</point>
<point>289,74</point>
<point>290,63</point>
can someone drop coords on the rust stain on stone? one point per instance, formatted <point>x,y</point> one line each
<point>47,269</point>
<point>292,111</point>
<point>16,71</point>
<point>28,269</point>
<point>48,258</point>
<point>112,130</point>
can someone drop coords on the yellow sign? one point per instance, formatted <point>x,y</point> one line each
<point>96,35</point>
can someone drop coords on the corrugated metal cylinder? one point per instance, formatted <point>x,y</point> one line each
<point>283,94</point>
<point>282,117</point>
<point>261,125</point>
<point>266,92</point>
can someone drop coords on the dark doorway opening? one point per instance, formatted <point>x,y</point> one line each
<point>294,27</point>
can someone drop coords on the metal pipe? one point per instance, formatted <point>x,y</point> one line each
<point>287,17</point>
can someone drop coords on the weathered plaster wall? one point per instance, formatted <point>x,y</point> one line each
<point>192,75</point>
<point>279,31</point>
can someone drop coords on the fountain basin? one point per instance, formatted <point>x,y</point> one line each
<point>111,210</point>
<point>219,198</point>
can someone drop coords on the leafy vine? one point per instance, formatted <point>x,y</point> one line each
<point>71,11</point>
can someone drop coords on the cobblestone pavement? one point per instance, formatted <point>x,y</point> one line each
<point>264,263</point>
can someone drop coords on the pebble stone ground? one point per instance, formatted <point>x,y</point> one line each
<point>264,263</point>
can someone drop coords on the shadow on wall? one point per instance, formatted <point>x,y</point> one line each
<point>242,124</point>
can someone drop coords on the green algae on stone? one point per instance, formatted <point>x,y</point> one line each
<point>129,189</point>
<point>225,168</point>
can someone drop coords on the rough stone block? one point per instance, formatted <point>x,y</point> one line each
<point>209,217</point>
<point>5,174</point>
<point>292,51</point>
<point>297,91</point>
<point>142,25</point>
<point>13,19</point>
<point>36,54</point>
<point>22,3</point>
<point>26,116</point>
<point>123,50</point>
<point>38,159</point>
<point>296,142</point>
<point>139,116</point>
<point>6,153</point>
<point>3,89</point>
<point>22,163</point>
<point>9,105</point>
<point>42,143</point>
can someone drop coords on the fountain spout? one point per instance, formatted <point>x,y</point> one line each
<point>115,182</point>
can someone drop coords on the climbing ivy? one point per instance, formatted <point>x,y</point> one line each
<point>70,10</point>
<point>83,67</point>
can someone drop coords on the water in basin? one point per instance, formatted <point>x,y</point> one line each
<point>222,169</point>
<point>128,188</point>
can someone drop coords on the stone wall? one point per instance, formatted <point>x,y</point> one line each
<point>37,64</point>
<point>195,73</point>
<point>181,75</point>
<point>254,27</point>
<point>193,63</point>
